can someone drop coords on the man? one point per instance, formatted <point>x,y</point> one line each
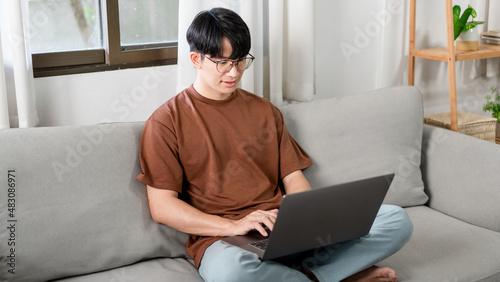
<point>228,154</point>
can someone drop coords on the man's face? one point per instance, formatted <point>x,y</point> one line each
<point>214,84</point>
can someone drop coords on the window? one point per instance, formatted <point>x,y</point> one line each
<point>75,36</point>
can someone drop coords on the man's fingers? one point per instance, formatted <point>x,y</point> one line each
<point>258,220</point>
<point>267,218</point>
<point>261,230</point>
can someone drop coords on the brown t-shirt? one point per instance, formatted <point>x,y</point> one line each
<point>226,157</point>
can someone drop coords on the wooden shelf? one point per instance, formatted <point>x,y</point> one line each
<point>448,54</point>
<point>485,51</point>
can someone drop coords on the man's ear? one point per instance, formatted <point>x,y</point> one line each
<point>195,59</point>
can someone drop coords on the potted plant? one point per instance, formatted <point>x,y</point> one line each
<point>465,31</point>
<point>493,105</point>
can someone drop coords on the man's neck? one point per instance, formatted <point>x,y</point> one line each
<point>210,93</point>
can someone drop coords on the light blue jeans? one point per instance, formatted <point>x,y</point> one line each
<point>390,232</point>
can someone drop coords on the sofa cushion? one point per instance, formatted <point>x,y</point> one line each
<point>78,207</point>
<point>155,270</point>
<point>467,189</point>
<point>444,248</point>
<point>361,136</point>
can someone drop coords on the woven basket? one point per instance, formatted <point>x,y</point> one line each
<point>475,125</point>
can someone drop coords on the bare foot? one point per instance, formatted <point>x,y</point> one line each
<point>373,273</point>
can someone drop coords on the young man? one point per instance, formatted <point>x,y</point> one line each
<point>227,152</point>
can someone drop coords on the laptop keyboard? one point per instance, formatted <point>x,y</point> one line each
<point>262,244</point>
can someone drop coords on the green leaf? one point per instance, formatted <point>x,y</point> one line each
<point>460,25</point>
<point>456,18</point>
<point>471,25</point>
<point>491,105</point>
<point>473,13</point>
<point>456,10</point>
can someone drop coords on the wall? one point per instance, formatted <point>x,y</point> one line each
<point>122,95</point>
<point>361,45</point>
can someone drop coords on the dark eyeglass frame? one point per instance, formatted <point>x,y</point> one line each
<point>233,62</point>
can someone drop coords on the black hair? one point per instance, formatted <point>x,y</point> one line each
<point>208,28</point>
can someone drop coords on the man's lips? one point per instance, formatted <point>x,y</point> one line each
<point>229,83</point>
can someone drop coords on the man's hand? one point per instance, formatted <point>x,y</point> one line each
<point>168,209</point>
<point>256,220</point>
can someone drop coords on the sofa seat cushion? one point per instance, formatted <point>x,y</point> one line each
<point>444,248</point>
<point>364,135</point>
<point>155,270</point>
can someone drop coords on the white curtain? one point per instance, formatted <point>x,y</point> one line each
<point>493,23</point>
<point>17,95</point>
<point>388,22</point>
<point>282,42</point>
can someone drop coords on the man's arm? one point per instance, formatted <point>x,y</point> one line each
<point>168,209</point>
<point>296,182</point>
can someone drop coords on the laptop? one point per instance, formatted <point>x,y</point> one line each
<point>319,217</point>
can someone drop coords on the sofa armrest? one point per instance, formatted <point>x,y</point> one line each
<point>461,176</point>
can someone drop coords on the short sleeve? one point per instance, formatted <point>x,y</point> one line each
<point>159,156</point>
<point>292,156</point>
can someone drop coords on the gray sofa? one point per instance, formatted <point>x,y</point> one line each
<point>75,212</point>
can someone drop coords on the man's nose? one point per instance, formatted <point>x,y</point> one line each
<point>234,71</point>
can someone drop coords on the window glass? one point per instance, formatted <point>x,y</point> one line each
<point>148,22</point>
<point>64,25</point>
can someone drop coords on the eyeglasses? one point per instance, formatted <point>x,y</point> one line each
<point>224,66</point>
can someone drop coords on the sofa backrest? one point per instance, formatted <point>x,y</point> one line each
<point>74,205</point>
<point>364,135</point>
<point>461,176</point>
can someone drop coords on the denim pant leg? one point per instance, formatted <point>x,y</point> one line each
<point>223,262</point>
<point>390,232</point>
